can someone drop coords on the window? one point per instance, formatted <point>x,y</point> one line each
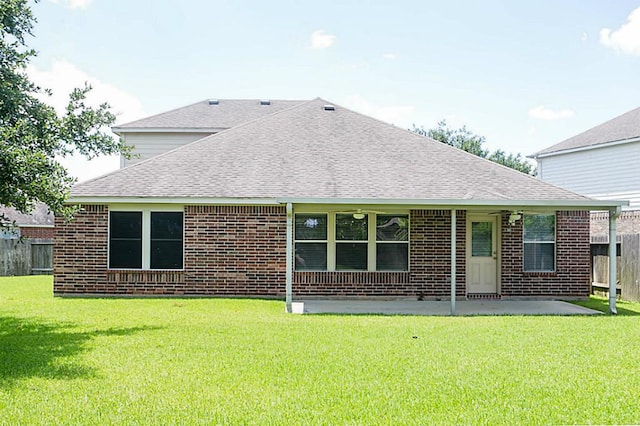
<point>125,240</point>
<point>311,242</point>
<point>340,242</point>
<point>146,240</point>
<point>392,243</point>
<point>166,240</point>
<point>539,242</point>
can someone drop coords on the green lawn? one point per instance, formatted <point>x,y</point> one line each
<point>222,361</point>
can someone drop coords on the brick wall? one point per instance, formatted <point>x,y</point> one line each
<point>80,252</point>
<point>240,250</point>
<point>37,232</point>
<point>572,275</point>
<point>235,250</point>
<point>430,258</point>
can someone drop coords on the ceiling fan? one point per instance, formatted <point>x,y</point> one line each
<point>359,213</point>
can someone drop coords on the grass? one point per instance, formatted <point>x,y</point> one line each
<point>226,361</point>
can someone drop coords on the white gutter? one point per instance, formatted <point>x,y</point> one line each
<point>584,148</point>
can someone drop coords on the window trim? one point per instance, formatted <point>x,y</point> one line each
<point>372,241</point>
<point>554,242</point>
<point>146,233</point>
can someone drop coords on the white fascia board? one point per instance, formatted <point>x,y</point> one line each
<point>586,204</point>
<point>584,148</point>
<point>121,130</point>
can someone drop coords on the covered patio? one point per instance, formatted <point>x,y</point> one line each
<point>439,308</point>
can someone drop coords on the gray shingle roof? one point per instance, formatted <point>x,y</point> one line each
<point>623,127</point>
<point>41,216</point>
<point>308,152</point>
<point>201,115</point>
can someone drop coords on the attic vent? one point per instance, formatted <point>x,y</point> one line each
<point>213,102</point>
<point>329,108</point>
<point>265,102</point>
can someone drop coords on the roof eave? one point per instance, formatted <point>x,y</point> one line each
<point>120,130</point>
<point>577,204</point>
<point>584,148</point>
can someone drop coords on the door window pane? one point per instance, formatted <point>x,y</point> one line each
<point>481,239</point>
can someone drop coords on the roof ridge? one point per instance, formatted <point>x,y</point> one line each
<point>158,114</point>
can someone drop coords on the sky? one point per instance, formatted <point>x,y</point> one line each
<point>523,74</point>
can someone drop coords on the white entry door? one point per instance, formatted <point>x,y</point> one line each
<point>482,254</point>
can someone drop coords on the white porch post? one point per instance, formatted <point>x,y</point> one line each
<point>453,261</point>
<point>613,253</point>
<point>289,254</point>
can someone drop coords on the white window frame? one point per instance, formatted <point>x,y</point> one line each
<point>146,232</point>
<point>372,241</point>
<point>554,242</point>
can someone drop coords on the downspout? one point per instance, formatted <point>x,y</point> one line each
<point>289,254</point>
<point>453,261</point>
<point>613,273</point>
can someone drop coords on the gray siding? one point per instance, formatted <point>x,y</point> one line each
<point>611,172</point>
<point>148,145</point>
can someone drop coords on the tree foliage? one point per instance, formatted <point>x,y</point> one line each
<point>466,140</point>
<point>33,136</point>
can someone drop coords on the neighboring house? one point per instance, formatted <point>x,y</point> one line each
<point>602,162</point>
<point>37,224</point>
<point>26,241</point>
<point>315,200</point>
<point>166,131</point>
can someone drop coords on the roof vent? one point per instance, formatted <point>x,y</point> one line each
<point>265,102</point>
<point>329,108</point>
<point>213,102</point>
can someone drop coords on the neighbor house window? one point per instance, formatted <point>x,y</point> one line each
<point>539,242</point>
<point>342,242</point>
<point>311,242</point>
<point>146,240</point>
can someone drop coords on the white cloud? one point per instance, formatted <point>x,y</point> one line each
<point>584,37</point>
<point>73,4</point>
<point>390,56</point>
<point>321,40</point>
<point>542,113</point>
<point>62,78</point>
<point>399,115</point>
<point>625,39</point>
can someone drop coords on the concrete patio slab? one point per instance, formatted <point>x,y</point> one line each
<point>463,307</point>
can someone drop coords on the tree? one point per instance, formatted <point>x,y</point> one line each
<point>32,135</point>
<point>466,140</point>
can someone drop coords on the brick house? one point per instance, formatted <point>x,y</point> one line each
<point>315,200</point>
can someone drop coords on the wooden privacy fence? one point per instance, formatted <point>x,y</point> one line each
<point>628,265</point>
<point>29,256</point>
